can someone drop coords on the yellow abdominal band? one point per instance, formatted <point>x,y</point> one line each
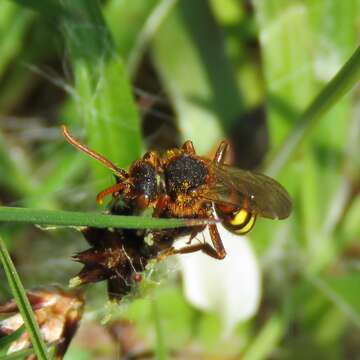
<point>242,222</point>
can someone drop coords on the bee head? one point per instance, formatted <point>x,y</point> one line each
<point>145,182</point>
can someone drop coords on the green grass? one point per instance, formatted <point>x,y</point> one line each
<point>23,304</point>
<point>224,68</point>
<point>17,355</point>
<point>347,77</point>
<point>6,341</point>
<point>78,219</point>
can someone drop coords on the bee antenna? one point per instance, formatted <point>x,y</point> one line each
<point>74,142</point>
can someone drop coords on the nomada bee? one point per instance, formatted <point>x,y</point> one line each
<point>181,184</point>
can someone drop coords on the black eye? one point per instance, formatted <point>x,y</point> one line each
<point>145,181</point>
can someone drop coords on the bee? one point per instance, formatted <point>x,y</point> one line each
<point>181,184</point>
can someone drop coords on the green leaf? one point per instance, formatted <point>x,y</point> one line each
<point>103,94</point>
<point>23,303</point>
<point>71,218</point>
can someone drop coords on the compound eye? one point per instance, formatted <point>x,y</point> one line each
<point>241,221</point>
<point>145,182</point>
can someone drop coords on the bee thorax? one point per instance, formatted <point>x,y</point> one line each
<point>184,174</point>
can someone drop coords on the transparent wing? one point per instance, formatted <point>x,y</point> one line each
<point>256,192</point>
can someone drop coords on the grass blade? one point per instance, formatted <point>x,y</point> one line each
<point>341,291</point>
<point>266,341</point>
<point>71,218</point>
<point>125,20</point>
<point>23,303</point>
<point>285,39</point>
<point>133,23</point>
<point>18,355</point>
<point>14,22</point>
<point>200,83</point>
<point>5,341</point>
<point>160,349</point>
<point>150,27</point>
<point>344,81</point>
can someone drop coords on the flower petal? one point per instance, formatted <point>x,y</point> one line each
<point>230,287</point>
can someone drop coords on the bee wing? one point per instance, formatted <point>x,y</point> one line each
<point>257,192</point>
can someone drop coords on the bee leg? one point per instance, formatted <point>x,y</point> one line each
<point>188,147</point>
<point>118,187</point>
<point>221,152</point>
<point>204,247</point>
<point>193,234</point>
<point>161,204</point>
<point>217,242</point>
<point>217,251</point>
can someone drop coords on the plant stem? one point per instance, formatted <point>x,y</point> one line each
<point>71,218</point>
<point>342,82</point>
<point>23,303</point>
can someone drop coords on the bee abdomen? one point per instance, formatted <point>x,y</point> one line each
<point>242,222</point>
<point>239,221</point>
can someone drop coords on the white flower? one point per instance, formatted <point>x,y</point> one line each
<point>230,287</point>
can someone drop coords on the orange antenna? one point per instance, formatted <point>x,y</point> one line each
<point>117,171</point>
<point>110,190</point>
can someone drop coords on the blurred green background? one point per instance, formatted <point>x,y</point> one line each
<point>129,75</point>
